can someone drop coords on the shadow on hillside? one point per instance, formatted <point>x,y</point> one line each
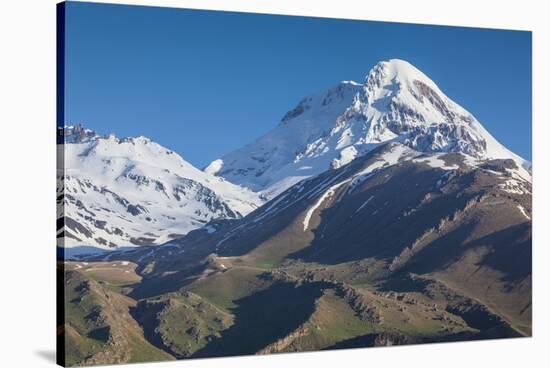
<point>510,252</point>
<point>265,317</point>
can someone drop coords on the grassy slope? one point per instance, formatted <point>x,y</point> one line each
<point>243,309</point>
<point>99,328</point>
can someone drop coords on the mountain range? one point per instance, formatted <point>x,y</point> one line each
<point>132,191</point>
<point>373,214</point>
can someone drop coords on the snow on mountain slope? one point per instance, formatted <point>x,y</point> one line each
<point>397,102</point>
<point>133,191</point>
<point>279,158</point>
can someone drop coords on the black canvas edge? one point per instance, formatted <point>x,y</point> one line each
<point>60,118</point>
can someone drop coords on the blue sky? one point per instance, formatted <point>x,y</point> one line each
<point>204,83</point>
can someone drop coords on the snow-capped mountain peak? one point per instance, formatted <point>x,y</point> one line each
<point>397,102</point>
<point>333,100</point>
<point>133,191</point>
<point>404,100</point>
<point>395,71</point>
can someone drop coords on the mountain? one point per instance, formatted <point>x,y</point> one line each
<point>132,191</point>
<point>394,218</point>
<point>396,247</point>
<point>396,103</point>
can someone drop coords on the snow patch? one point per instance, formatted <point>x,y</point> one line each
<point>327,194</point>
<point>436,161</point>
<point>346,156</point>
<point>523,212</point>
<point>214,167</point>
<point>364,204</point>
<point>210,229</point>
<point>514,186</point>
<point>397,153</point>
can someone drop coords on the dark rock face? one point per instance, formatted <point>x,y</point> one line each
<point>74,134</point>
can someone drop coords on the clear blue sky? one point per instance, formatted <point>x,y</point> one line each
<point>204,83</point>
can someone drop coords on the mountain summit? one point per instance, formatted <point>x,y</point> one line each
<point>397,102</point>
<point>132,191</point>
